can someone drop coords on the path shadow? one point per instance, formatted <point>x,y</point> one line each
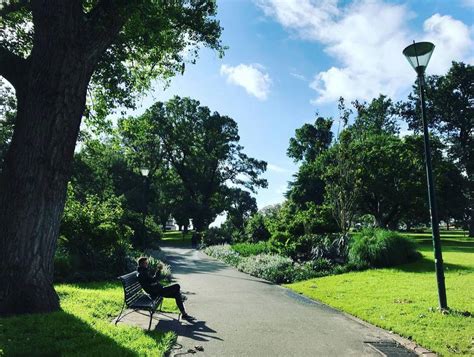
<point>182,264</point>
<point>196,330</point>
<point>186,264</point>
<point>255,279</point>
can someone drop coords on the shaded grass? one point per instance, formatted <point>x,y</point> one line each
<point>83,327</point>
<point>404,299</point>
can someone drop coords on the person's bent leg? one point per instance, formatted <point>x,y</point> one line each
<point>174,291</point>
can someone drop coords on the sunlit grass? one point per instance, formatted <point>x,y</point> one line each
<point>404,299</point>
<point>177,238</point>
<point>83,327</point>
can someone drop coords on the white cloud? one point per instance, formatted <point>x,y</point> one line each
<point>298,76</point>
<point>252,78</point>
<point>366,38</point>
<point>276,168</point>
<point>452,39</point>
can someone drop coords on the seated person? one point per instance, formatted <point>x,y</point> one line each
<point>150,283</point>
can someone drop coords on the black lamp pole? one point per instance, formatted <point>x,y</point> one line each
<point>145,172</point>
<point>443,304</point>
<point>419,54</point>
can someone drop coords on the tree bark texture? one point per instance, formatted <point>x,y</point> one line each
<point>51,96</point>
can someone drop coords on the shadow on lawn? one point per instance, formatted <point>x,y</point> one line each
<point>425,265</point>
<point>55,334</point>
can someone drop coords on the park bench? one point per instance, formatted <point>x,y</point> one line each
<point>136,299</point>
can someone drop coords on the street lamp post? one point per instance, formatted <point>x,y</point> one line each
<point>418,55</point>
<point>145,172</point>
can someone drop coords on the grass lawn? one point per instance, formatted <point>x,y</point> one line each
<point>83,327</point>
<point>176,238</point>
<point>404,299</point>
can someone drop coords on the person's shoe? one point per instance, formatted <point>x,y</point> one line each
<point>187,317</point>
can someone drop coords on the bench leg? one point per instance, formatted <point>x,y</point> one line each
<point>118,317</point>
<point>151,317</point>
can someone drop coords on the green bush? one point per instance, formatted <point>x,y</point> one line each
<point>381,248</point>
<point>94,243</point>
<point>63,265</point>
<point>256,229</point>
<point>309,246</point>
<point>223,252</point>
<point>280,242</point>
<point>144,235</point>
<point>215,236</point>
<point>248,249</point>
<point>316,219</point>
<point>312,269</point>
<point>271,267</point>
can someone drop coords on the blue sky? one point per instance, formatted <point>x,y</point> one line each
<point>288,60</point>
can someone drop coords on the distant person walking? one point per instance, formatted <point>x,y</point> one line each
<point>195,240</point>
<point>150,283</point>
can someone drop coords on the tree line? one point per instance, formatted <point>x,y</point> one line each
<point>358,170</point>
<point>370,169</point>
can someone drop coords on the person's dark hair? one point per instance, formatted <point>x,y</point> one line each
<point>141,261</point>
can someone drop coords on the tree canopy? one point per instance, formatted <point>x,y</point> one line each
<point>202,148</point>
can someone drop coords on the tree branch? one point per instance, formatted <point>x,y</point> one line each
<point>12,67</point>
<point>104,22</point>
<point>13,6</point>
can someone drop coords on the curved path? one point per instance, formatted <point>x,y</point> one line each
<point>239,315</point>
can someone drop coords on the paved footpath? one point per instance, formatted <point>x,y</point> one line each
<point>239,315</point>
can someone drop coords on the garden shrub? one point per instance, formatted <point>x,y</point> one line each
<point>143,236</point>
<point>271,267</point>
<point>256,229</point>
<point>279,242</point>
<point>311,246</point>
<point>93,241</point>
<point>248,249</point>
<point>381,248</point>
<point>63,264</point>
<point>223,252</point>
<point>312,269</point>
<point>153,231</point>
<point>316,219</point>
<point>215,236</point>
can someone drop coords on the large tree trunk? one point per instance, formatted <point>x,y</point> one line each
<point>34,179</point>
<point>51,88</point>
<point>51,98</point>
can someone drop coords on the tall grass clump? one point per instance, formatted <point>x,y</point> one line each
<point>380,248</point>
